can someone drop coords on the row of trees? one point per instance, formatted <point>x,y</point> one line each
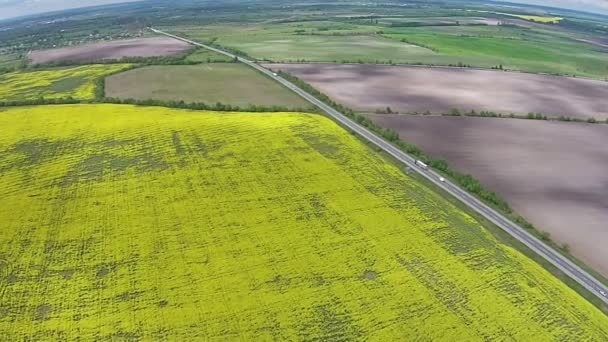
<point>529,116</point>
<point>222,107</point>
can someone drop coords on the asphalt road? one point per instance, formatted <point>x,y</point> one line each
<point>539,247</point>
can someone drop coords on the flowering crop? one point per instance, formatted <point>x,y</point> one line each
<point>123,222</point>
<point>76,82</point>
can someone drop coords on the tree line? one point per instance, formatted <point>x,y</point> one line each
<point>529,116</point>
<point>220,107</point>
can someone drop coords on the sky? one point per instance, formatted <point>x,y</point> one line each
<point>593,6</point>
<point>15,8</point>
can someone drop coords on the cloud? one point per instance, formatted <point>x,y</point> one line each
<point>15,8</point>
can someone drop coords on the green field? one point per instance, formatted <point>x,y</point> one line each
<point>530,49</point>
<point>9,60</point>
<point>135,223</point>
<point>514,48</point>
<point>321,41</point>
<point>59,83</point>
<point>228,83</point>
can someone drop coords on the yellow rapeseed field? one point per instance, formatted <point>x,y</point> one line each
<point>128,223</point>
<point>536,18</point>
<point>76,82</point>
<point>541,19</point>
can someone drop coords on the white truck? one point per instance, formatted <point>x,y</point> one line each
<point>422,165</point>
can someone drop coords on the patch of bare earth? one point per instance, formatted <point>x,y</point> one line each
<point>553,173</point>
<point>418,89</point>
<point>141,47</point>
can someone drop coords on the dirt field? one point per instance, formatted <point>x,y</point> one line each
<point>143,47</point>
<point>228,83</point>
<point>408,89</point>
<point>552,173</point>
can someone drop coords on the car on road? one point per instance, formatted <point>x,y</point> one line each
<point>442,180</point>
<point>603,293</point>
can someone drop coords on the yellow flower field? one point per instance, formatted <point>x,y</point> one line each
<point>76,82</point>
<point>535,18</point>
<point>540,19</point>
<point>128,223</point>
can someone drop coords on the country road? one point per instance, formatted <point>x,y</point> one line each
<point>519,233</point>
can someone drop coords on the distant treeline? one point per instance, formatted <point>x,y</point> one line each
<point>220,107</point>
<point>529,116</point>
<point>468,182</point>
<point>423,24</point>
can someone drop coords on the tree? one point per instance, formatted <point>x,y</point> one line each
<point>545,236</point>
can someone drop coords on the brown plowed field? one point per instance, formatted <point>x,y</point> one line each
<point>408,89</point>
<point>553,173</point>
<point>142,47</point>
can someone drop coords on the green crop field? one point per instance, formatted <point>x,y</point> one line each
<point>134,223</point>
<point>519,48</point>
<point>9,60</point>
<point>320,41</point>
<point>514,48</point>
<point>228,83</point>
<point>76,82</point>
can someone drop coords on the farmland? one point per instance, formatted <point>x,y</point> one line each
<point>59,83</point>
<point>416,89</point>
<point>228,83</point>
<point>534,18</point>
<point>284,42</point>
<point>553,173</point>
<point>124,222</point>
<point>532,49</point>
<point>540,19</point>
<point>8,60</point>
<point>117,49</point>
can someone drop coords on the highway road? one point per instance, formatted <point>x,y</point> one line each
<point>535,244</point>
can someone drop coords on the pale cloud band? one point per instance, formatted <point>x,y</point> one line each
<point>593,6</point>
<point>15,8</point>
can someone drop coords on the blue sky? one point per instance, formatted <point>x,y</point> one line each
<point>14,8</point>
